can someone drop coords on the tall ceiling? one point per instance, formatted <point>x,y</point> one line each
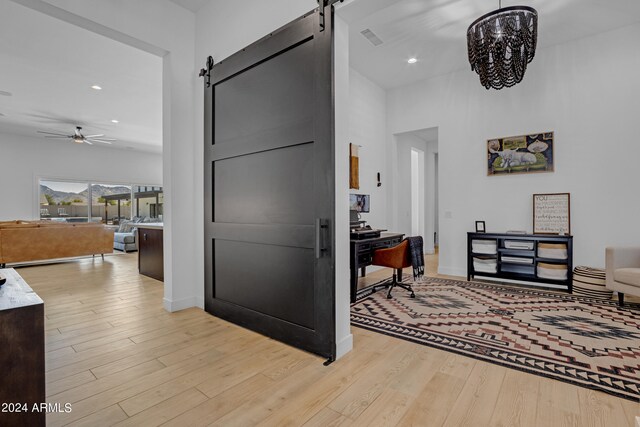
<point>434,31</point>
<point>48,66</point>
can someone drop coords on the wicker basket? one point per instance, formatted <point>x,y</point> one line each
<point>552,250</point>
<point>552,271</point>
<point>590,282</point>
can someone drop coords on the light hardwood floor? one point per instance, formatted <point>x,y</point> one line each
<point>119,358</point>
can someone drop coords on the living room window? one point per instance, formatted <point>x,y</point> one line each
<point>111,202</point>
<point>148,201</point>
<point>64,201</point>
<point>85,201</point>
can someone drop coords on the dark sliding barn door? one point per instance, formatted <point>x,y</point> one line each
<point>269,186</point>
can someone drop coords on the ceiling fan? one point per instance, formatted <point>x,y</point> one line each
<point>78,137</point>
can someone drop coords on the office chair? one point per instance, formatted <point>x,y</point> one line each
<point>397,257</point>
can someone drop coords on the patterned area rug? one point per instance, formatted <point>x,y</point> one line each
<point>587,342</point>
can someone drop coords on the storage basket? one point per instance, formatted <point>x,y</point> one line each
<point>485,265</point>
<point>552,271</point>
<point>484,247</point>
<point>552,250</point>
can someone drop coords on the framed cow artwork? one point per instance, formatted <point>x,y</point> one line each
<point>520,154</point>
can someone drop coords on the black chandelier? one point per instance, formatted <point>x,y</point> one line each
<point>501,44</point>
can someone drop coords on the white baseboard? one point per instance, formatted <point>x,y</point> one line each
<point>344,346</point>
<point>181,304</point>
<point>200,302</point>
<point>452,271</point>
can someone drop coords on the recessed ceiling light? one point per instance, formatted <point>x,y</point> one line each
<point>5,93</point>
<point>412,60</point>
<point>114,121</point>
<point>96,87</point>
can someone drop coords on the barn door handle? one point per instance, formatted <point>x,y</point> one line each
<point>322,225</point>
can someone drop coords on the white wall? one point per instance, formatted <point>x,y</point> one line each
<point>23,160</point>
<point>165,29</point>
<point>584,90</point>
<point>367,128</point>
<point>342,90</point>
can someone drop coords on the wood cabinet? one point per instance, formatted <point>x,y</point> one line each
<point>534,258</point>
<point>151,252</point>
<point>22,384</point>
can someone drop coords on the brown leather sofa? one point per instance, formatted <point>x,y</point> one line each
<point>22,241</point>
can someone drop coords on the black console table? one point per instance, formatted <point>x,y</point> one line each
<point>517,257</point>
<point>362,252</point>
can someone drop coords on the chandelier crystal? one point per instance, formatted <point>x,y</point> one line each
<point>501,44</point>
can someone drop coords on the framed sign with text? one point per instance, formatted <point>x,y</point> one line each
<point>552,213</point>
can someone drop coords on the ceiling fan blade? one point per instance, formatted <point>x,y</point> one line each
<point>98,140</point>
<point>52,133</point>
<point>94,136</point>
<point>87,141</point>
<point>57,137</point>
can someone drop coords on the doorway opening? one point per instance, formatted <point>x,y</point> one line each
<point>415,190</point>
<point>89,176</point>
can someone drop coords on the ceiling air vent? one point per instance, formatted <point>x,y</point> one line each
<point>375,40</point>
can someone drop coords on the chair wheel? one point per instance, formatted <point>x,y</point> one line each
<point>413,295</point>
<point>388,296</point>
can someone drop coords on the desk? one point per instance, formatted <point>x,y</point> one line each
<point>361,253</point>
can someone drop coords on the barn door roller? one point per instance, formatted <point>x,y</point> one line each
<point>321,10</point>
<point>206,72</point>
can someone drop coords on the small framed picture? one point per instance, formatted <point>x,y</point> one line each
<point>480,227</point>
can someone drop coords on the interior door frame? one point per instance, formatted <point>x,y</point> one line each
<point>322,21</point>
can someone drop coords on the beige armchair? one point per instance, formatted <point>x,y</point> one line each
<point>623,271</point>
